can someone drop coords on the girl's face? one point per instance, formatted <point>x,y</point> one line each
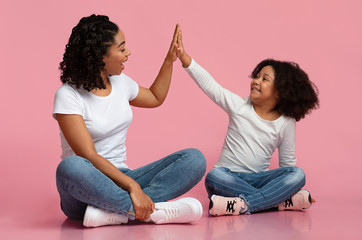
<point>262,90</point>
<point>116,55</point>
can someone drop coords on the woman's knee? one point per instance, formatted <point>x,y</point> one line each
<point>71,165</point>
<point>196,158</point>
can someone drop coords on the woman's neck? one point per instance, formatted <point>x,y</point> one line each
<point>103,92</point>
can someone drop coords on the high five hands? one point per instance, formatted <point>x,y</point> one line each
<point>177,49</point>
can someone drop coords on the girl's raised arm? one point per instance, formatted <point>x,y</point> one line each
<point>224,98</point>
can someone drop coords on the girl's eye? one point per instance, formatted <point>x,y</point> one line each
<point>122,50</point>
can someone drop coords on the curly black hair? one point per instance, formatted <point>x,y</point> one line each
<point>83,58</point>
<point>297,95</point>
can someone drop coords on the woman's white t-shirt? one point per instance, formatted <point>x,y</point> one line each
<point>106,117</point>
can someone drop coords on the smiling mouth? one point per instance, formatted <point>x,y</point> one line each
<point>255,90</point>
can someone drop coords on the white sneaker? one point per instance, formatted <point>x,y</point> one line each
<point>299,201</point>
<point>95,217</point>
<point>184,210</point>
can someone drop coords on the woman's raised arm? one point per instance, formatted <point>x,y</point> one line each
<point>156,94</point>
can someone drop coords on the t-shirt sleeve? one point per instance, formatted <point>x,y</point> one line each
<point>286,148</point>
<point>227,100</point>
<point>131,85</point>
<point>66,101</point>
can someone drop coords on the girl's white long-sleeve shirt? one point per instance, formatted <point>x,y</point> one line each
<point>250,140</point>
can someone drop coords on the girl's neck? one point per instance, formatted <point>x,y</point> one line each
<point>266,112</point>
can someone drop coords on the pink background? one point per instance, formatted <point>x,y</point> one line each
<point>228,38</point>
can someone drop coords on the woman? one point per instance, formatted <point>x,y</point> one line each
<point>93,111</point>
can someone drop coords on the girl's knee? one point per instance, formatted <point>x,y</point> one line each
<point>298,176</point>
<point>209,177</point>
<point>209,185</point>
<point>209,182</point>
<point>216,174</point>
<point>213,177</point>
<point>299,172</point>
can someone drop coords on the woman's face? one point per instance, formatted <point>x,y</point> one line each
<point>116,55</point>
<point>262,88</point>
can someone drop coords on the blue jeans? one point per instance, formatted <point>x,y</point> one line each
<point>261,190</point>
<point>79,183</point>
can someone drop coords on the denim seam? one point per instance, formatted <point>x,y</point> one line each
<point>159,176</point>
<point>161,162</point>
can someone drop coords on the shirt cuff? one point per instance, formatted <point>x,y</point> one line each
<point>192,65</point>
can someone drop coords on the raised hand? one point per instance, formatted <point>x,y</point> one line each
<point>172,52</point>
<point>180,51</point>
<point>155,95</point>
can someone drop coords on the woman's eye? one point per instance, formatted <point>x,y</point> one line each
<point>122,50</point>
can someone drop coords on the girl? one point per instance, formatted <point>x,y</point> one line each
<point>280,94</point>
<point>93,111</point>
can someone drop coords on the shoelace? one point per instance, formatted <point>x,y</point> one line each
<point>288,202</point>
<point>171,213</point>
<point>230,206</point>
<point>113,217</point>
